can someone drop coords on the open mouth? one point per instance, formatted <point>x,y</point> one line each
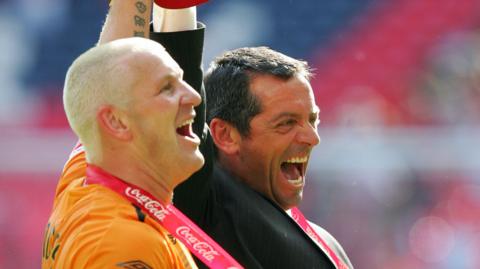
<point>294,170</point>
<point>185,129</point>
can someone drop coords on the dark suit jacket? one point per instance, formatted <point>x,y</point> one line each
<point>253,229</point>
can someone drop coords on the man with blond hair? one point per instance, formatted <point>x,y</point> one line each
<point>132,111</point>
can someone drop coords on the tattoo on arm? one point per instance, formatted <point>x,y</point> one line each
<point>141,7</point>
<point>139,33</point>
<point>139,19</point>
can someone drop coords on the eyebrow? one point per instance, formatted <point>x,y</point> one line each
<point>174,74</point>
<point>311,115</point>
<point>285,115</point>
<point>169,77</point>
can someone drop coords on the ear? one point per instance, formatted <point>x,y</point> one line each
<point>225,136</point>
<point>114,123</point>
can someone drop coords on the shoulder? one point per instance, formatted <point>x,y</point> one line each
<point>332,243</point>
<point>73,170</point>
<point>101,230</point>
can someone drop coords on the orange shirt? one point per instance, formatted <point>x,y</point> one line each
<point>94,227</point>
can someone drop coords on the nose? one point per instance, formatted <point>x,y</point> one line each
<point>190,97</point>
<point>308,135</point>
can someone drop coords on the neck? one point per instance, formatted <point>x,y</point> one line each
<point>234,167</point>
<point>138,172</point>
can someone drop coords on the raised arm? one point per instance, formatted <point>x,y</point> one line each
<point>127,18</point>
<point>179,32</point>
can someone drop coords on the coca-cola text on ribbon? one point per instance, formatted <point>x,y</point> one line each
<point>153,206</point>
<point>203,248</point>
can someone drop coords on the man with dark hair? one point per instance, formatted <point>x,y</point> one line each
<point>240,87</point>
<point>262,121</point>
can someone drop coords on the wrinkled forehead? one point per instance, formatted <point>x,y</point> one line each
<point>286,98</point>
<point>274,91</point>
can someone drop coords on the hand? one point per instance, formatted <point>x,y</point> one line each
<point>177,4</point>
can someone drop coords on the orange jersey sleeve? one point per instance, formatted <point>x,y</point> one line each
<point>74,169</point>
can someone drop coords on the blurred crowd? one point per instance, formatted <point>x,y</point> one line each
<point>396,178</point>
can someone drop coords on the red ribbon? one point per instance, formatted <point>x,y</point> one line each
<point>298,217</point>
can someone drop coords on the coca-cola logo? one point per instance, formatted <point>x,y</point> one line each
<point>202,248</point>
<point>154,207</point>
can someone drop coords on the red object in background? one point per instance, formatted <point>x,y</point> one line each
<point>383,53</point>
<point>25,203</point>
<point>177,4</point>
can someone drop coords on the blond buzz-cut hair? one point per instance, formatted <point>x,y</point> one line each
<point>100,76</point>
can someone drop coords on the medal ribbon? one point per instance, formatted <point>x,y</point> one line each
<point>175,222</point>
<point>299,218</point>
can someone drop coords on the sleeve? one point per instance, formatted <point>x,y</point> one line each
<point>74,168</point>
<point>332,243</point>
<point>186,49</point>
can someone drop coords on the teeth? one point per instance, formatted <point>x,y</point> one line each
<point>297,160</point>
<point>297,181</point>
<point>190,121</point>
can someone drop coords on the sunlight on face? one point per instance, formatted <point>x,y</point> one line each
<point>162,113</point>
<point>274,156</point>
